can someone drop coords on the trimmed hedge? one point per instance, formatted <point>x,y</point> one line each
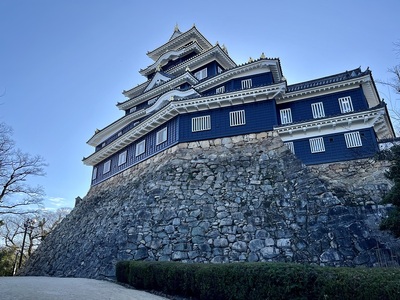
<point>260,280</point>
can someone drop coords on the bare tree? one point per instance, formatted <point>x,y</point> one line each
<point>394,82</point>
<point>22,238</point>
<point>16,167</point>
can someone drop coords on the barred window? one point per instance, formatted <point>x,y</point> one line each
<point>161,136</point>
<point>353,139</point>
<point>94,175</point>
<point>201,74</point>
<point>317,145</point>
<point>220,90</point>
<point>290,145</point>
<point>107,167</point>
<point>345,104</point>
<point>318,110</point>
<point>247,83</point>
<point>237,118</point>
<point>140,147</point>
<point>201,123</point>
<point>122,158</point>
<point>286,116</point>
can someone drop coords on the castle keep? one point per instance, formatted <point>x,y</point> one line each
<point>194,91</point>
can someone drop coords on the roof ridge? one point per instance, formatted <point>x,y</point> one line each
<point>327,79</point>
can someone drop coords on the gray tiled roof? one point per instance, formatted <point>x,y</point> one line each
<point>327,80</point>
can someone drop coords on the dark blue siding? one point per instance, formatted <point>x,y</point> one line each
<point>150,150</point>
<point>260,116</point>
<point>236,84</point>
<point>211,69</point>
<point>335,148</point>
<point>301,110</point>
<point>257,80</point>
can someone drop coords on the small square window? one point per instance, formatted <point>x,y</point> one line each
<point>220,90</point>
<point>318,110</point>
<point>237,118</point>
<point>286,116</point>
<point>353,139</point>
<point>247,83</point>
<point>107,167</point>
<point>201,123</point>
<point>140,147</point>
<point>122,158</point>
<point>345,104</point>
<point>94,174</point>
<point>317,145</point>
<point>161,136</point>
<point>290,145</point>
<point>201,74</point>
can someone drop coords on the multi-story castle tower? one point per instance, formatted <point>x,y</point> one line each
<point>195,91</point>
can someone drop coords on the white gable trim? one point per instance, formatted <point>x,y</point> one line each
<point>157,80</point>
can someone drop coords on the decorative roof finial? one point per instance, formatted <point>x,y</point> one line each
<point>224,48</point>
<point>262,55</point>
<point>176,28</point>
<point>250,59</point>
<point>217,43</point>
<point>194,25</point>
<point>158,69</point>
<point>187,69</point>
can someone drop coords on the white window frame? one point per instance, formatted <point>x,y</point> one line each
<point>247,83</point>
<point>318,110</point>
<point>346,105</point>
<point>201,74</point>
<point>353,139</point>
<point>290,145</point>
<point>317,145</point>
<point>220,90</point>
<point>107,167</point>
<point>140,148</point>
<point>201,123</point>
<point>237,118</point>
<point>162,136</point>
<point>94,174</point>
<point>286,116</point>
<point>122,157</point>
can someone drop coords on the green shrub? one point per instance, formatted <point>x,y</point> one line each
<point>258,281</point>
<point>7,258</point>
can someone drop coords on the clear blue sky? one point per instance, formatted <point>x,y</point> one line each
<point>64,63</point>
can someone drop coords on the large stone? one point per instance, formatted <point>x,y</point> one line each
<point>220,242</point>
<point>239,246</point>
<point>256,244</point>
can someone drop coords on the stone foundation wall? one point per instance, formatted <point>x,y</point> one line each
<point>244,198</point>
<point>359,182</point>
